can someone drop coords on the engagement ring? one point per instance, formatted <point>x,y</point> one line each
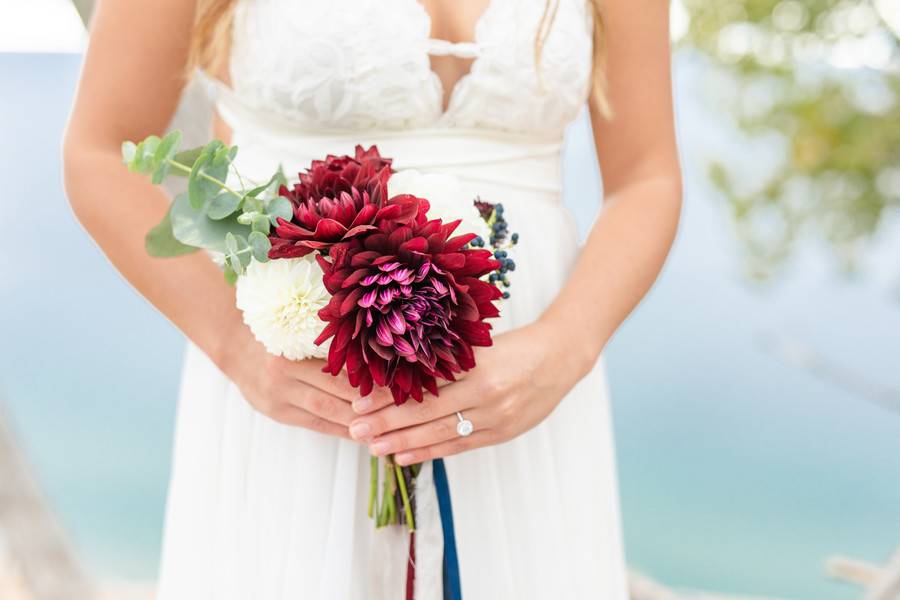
<point>464,427</point>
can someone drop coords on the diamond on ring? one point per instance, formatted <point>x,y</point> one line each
<point>464,427</point>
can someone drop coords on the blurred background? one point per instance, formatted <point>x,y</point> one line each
<point>756,391</point>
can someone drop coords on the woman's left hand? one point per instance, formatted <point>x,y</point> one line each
<point>517,382</point>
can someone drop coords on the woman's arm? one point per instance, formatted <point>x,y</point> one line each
<point>631,238</point>
<point>129,88</point>
<point>524,375</point>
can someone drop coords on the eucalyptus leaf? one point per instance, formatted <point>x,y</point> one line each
<point>280,207</point>
<point>231,243</point>
<point>188,157</point>
<point>168,146</point>
<point>146,154</point>
<point>197,192</point>
<point>280,178</point>
<point>261,224</point>
<point>253,193</point>
<point>244,250</point>
<point>235,263</point>
<point>194,228</point>
<point>252,204</point>
<point>164,152</point>
<point>222,205</point>
<point>260,244</point>
<point>230,275</point>
<point>213,146</point>
<point>161,172</point>
<point>160,242</point>
<point>208,174</point>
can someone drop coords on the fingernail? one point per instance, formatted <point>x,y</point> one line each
<point>380,447</point>
<point>360,430</point>
<point>361,405</point>
<point>403,459</point>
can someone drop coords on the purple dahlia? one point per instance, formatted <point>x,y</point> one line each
<point>407,306</point>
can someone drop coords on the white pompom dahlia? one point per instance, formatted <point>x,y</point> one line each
<point>445,195</point>
<point>281,300</point>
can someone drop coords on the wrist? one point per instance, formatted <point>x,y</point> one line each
<point>232,347</point>
<point>574,349</point>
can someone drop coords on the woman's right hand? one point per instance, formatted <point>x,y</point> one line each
<point>295,393</point>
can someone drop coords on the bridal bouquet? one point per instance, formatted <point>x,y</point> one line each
<point>387,276</point>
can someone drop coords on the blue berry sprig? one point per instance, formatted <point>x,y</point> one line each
<point>501,241</point>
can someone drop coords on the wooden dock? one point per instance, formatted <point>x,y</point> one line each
<point>879,583</point>
<point>36,560</point>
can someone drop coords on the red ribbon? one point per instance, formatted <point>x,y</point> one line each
<point>411,567</point>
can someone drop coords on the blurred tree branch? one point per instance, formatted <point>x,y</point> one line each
<point>84,8</point>
<point>824,75</point>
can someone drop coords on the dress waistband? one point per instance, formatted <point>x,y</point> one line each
<point>496,158</point>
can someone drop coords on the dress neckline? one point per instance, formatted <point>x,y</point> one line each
<point>442,47</point>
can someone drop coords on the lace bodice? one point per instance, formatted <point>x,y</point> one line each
<point>356,65</point>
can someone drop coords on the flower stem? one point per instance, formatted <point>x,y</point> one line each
<point>373,484</point>
<point>407,507</point>
<point>392,490</point>
<point>186,169</point>
<point>384,511</point>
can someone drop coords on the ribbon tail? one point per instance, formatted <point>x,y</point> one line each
<point>411,568</point>
<point>452,589</point>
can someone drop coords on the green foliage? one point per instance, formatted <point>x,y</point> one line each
<point>260,245</point>
<point>280,207</point>
<point>211,215</point>
<point>827,95</point>
<point>208,174</point>
<point>161,243</point>
<point>223,205</point>
<point>194,228</point>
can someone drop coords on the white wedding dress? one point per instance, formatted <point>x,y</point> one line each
<point>262,511</point>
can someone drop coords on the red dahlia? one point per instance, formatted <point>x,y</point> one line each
<point>335,200</point>
<point>408,305</point>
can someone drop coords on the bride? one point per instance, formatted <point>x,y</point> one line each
<point>270,468</point>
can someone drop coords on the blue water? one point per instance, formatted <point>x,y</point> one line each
<point>739,472</point>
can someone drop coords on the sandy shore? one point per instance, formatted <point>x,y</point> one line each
<point>12,587</point>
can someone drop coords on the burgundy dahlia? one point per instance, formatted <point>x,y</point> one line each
<point>335,200</point>
<point>408,305</point>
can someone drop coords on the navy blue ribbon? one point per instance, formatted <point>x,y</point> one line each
<point>452,589</point>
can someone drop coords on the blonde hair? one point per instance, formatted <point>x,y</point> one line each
<point>211,37</point>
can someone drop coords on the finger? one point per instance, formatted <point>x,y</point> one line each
<point>411,413</point>
<point>378,399</point>
<point>427,434</point>
<point>456,378</point>
<point>442,449</point>
<point>297,417</point>
<point>310,371</point>
<point>382,397</point>
<point>321,404</point>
